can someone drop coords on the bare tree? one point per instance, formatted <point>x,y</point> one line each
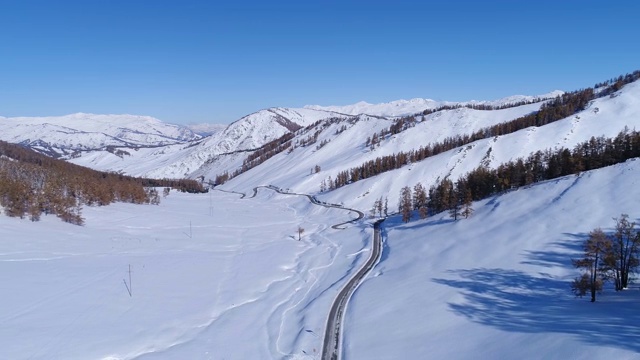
<point>593,264</point>
<point>300,231</point>
<point>623,255</point>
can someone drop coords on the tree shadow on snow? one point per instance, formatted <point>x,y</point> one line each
<point>518,302</point>
<point>560,253</point>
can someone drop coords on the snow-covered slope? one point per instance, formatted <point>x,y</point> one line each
<point>60,135</point>
<point>604,116</point>
<point>497,285</point>
<point>417,105</point>
<point>214,276</point>
<point>206,129</point>
<point>224,150</point>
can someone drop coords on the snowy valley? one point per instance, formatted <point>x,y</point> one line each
<point>245,272</point>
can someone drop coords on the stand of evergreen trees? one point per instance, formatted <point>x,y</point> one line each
<point>542,165</point>
<point>32,184</point>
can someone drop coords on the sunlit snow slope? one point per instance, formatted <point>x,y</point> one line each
<point>496,285</point>
<point>604,116</point>
<point>61,135</point>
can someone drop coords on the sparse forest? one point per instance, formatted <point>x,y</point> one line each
<point>457,197</point>
<point>32,184</point>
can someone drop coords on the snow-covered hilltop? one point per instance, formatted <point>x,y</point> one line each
<point>62,135</point>
<point>254,276</point>
<point>417,105</point>
<point>225,150</point>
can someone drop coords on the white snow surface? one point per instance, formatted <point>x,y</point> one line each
<point>213,276</point>
<point>417,105</point>
<point>215,154</point>
<point>206,129</point>
<point>604,116</point>
<point>496,285</point>
<point>90,131</point>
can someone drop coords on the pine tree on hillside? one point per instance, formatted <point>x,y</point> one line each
<point>405,203</point>
<point>420,200</point>
<point>467,204</point>
<point>385,208</point>
<point>454,203</point>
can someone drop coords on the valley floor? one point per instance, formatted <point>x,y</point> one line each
<point>214,276</point>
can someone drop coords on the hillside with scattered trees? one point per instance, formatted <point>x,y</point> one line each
<point>32,184</point>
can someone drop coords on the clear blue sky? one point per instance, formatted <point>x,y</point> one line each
<point>212,61</point>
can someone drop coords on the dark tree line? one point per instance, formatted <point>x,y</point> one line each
<point>541,165</point>
<point>32,184</point>
<point>484,106</point>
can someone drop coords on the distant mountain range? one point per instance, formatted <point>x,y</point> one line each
<point>321,142</point>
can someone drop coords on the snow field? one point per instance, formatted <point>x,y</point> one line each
<point>497,285</point>
<point>213,277</point>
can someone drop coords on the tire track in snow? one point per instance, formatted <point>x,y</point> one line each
<point>331,347</point>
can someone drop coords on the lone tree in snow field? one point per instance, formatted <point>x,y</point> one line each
<point>596,248</point>
<point>300,231</point>
<point>623,255</point>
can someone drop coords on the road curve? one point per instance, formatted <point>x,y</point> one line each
<point>333,330</point>
<point>313,200</point>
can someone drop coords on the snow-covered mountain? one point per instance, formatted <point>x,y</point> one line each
<point>215,275</point>
<point>63,135</point>
<point>605,116</point>
<point>417,105</point>
<point>223,151</point>
<point>206,129</point>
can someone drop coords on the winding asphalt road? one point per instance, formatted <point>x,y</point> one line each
<point>333,331</point>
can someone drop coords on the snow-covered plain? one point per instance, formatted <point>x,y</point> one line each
<point>219,277</point>
<point>213,276</point>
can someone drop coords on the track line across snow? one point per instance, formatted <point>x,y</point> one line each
<point>333,331</point>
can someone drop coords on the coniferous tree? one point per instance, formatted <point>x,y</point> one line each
<point>467,204</point>
<point>405,203</point>
<point>386,206</point>
<point>454,203</point>
<point>379,206</point>
<point>420,200</point>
